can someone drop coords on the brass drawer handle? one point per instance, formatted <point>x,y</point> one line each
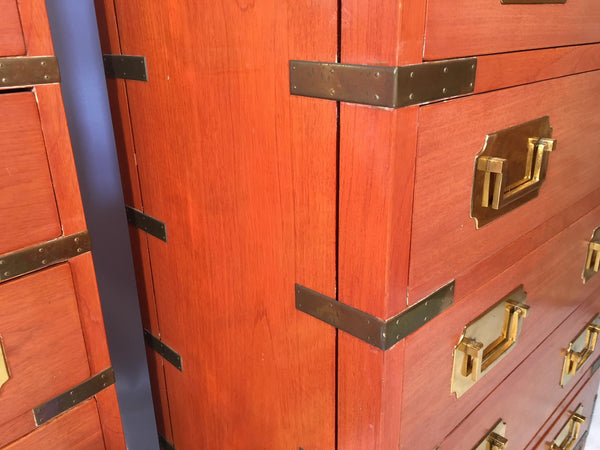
<point>498,188</point>
<point>495,439</point>
<point>580,350</point>
<point>592,260</point>
<point>567,437</point>
<point>486,340</point>
<point>4,371</point>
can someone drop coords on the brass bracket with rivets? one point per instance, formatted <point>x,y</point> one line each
<point>24,71</point>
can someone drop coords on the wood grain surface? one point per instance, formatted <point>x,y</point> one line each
<point>244,176</point>
<point>551,276</point>
<point>78,429</point>
<point>11,35</point>
<point>445,241</point>
<point>477,27</point>
<point>29,213</point>
<point>526,398</point>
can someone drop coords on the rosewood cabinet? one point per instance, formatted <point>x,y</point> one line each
<point>379,218</point>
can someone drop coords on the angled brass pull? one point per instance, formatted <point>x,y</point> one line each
<point>487,340</point>
<point>495,439</point>
<point>592,260</point>
<point>567,437</point>
<point>580,350</point>
<point>4,372</point>
<point>510,169</point>
<point>497,442</point>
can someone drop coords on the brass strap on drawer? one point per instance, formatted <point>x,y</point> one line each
<point>566,439</point>
<point>495,439</point>
<point>23,71</point>
<point>580,350</point>
<point>498,188</point>
<point>592,260</point>
<point>486,340</point>
<point>4,370</point>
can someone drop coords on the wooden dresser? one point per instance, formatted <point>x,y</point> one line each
<point>56,381</point>
<point>363,224</point>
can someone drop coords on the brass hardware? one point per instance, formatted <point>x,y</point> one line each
<point>495,439</point>
<point>78,394</point>
<point>146,223</point>
<point>163,349</point>
<point>498,188</point>
<point>387,86</point>
<point>530,2</point>
<point>25,71</point>
<point>567,437</point>
<point>592,260</point>
<point>486,340</point>
<point>382,334</point>
<point>126,67</point>
<point>43,255</point>
<point>4,370</point>
<point>580,350</point>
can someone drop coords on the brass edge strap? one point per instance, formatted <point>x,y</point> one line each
<point>164,444</point>
<point>126,67</point>
<point>22,71</point>
<point>43,255</point>
<point>146,223</point>
<point>78,394</point>
<point>386,86</point>
<point>382,334</point>
<point>163,350</point>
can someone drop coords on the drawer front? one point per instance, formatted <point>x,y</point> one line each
<point>42,341</point>
<point>551,277</point>
<point>27,201</point>
<point>77,429</point>
<point>526,398</point>
<point>478,27</point>
<point>12,42</point>
<point>445,239</point>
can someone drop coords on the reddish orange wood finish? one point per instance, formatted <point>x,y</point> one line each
<point>16,427</point>
<point>110,419</point>
<point>79,429</point>
<point>42,338</point>
<point>530,394</point>
<point>11,35</point>
<point>222,166</point>
<point>445,241</point>
<point>27,202</point>
<point>477,27</point>
<point>551,275</point>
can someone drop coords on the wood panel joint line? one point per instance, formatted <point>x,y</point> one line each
<point>146,223</point>
<point>383,334</point>
<point>126,67</point>
<point>163,350</point>
<point>43,255</point>
<point>73,397</point>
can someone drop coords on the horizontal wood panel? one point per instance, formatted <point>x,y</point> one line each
<point>445,241</point>
<point>78,429</point>
<point>11,34</point>
<point>551,276</point>
<point>532,392</point>
<point>43,341</point>
<point>27,202</point>
<point>478,27</point>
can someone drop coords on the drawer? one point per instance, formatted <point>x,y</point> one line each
<point>478,27</point>
<point>526,398</point>
<point>27,202</point>
<point>445,239</point>
<point>12,42</point>
<point>77,429</point>
<point>42,340</point>
<point>551,276</point>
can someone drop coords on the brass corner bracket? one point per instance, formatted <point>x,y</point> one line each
<point>383,334</point>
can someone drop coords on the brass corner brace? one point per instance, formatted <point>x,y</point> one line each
<point>386,86</point>
<point>383,334</point>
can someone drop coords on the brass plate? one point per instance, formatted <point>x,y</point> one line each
<point>28,71</point>
<point>580,350</point>
<point>568,435</point>
<point>592,259</point>
<point>382,334</point>
<point>126,67</point>
<point>43,255</point>
<point>495,438</point>
<point>147,223</point>
<point>163,349</point>
<point>510,169</point>
<point>386,86</point>
<point>78,394</point>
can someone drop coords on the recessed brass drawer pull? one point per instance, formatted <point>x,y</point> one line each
<point>495,439</point>
<point>592,260</point>
<point>4,371</point>
<point>487,340</point>
<point>580,350</point>
<point>567,437</point>
<point>510,169</point>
